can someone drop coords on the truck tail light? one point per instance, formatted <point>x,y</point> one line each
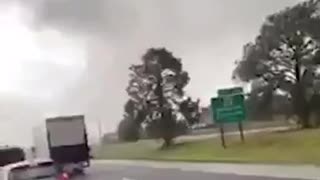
<point>64,176</point>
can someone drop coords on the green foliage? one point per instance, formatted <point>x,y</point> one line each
<point>157,98</point>
<point>299,147</point>
<point>164,58</point>
<point>129,108</point>
<point>155,129</point>
<point>284,53</point>
<point>128,131</point>
<point>292,29</point>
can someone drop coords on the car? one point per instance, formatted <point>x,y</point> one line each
<point>28,170</point>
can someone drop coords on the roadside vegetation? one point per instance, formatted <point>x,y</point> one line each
<point>281,64</point>
<point>297,147</point>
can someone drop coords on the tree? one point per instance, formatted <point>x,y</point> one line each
<point>284,52</point>
<point>259,99</point>
<point>129,108</point>
<point>128,130</point>
<point>129,127</point>
<point>157,96</point>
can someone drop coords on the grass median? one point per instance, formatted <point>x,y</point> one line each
<point>299,147</point>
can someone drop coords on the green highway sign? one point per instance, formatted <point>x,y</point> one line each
<point>229,106</point>
<point>230,91</point>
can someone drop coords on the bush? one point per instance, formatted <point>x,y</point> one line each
<point>128,131</point>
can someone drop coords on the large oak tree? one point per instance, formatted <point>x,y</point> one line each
<point>157,96</point>
<point>285,55</point>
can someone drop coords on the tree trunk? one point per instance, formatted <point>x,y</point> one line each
<point>166,126</point>
<point>300,104</point>
<point>167,142</point>
<point>302,107</point>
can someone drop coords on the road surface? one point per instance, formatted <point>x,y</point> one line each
<point>133,172</point>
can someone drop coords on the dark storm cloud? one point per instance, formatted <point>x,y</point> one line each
<point>75,15</point>
<point>166,18</point>
<point>94,17</point>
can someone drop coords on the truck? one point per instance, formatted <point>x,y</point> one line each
<point>65,142</point>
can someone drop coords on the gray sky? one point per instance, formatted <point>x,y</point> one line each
<point>72,56</point>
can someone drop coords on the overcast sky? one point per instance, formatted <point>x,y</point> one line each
<point>72,56</point>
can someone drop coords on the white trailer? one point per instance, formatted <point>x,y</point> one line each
<point>64,140</point>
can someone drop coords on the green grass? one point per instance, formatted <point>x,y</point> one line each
<point>278,147</point>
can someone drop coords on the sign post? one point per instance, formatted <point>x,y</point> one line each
<point>223,143</point>
<point>241,131</point>
<point>229,107</point>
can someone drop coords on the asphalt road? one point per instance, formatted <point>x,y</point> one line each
<point>121,172</point>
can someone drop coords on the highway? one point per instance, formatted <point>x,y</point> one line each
<point>134,172</point>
